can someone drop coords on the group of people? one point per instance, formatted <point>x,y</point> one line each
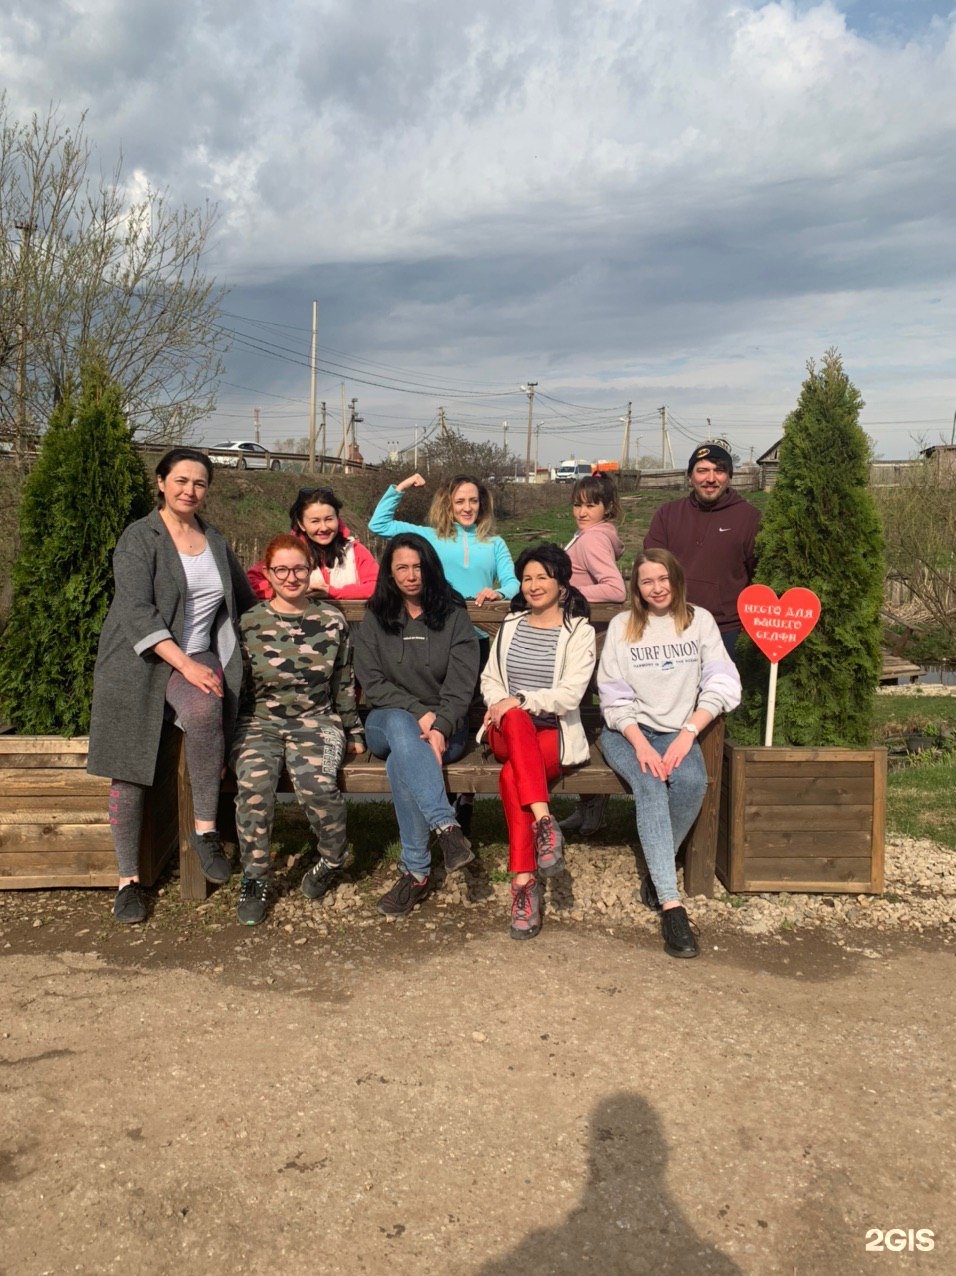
<point>259,670</point>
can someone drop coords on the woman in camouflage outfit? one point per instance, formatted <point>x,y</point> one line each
<point>297,709</point>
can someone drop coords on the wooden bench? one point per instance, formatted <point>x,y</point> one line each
<point>477,772</point>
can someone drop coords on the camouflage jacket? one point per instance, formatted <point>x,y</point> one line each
<point>298,669</point>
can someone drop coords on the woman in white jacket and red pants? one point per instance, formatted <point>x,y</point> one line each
<point>537,673</point>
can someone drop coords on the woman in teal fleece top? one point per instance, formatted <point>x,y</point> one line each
<point>476,562</point>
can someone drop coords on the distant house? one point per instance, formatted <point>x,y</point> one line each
<point>769,464</point>
<point>943,456</point>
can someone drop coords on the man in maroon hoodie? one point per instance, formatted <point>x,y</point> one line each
<point>712,533</point>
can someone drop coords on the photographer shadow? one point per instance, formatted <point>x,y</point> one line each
<point>627,1222</point>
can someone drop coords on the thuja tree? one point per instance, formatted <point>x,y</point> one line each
<point>821,530</point>
<point>87,484</point>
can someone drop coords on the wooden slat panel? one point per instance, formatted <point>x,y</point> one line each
<point>803,844</point>
<point>823,819</point>
<point>778,755</point>
<point>37,863</point>
<point>44,744</point>
<point>838,869</point>
<point>56,838</point>
<point>33,780</point>
<point>102,877</point>
<point>879,820</point>
<point>61,759</point>
<point>813,790</point>
<point>766,768</point>
<point>45,809</point>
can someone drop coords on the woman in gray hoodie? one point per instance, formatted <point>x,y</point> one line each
<point>416,658</point>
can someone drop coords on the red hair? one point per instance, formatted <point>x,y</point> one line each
<point>285,540</point>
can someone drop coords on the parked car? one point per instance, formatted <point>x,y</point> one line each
<point>247,456</point>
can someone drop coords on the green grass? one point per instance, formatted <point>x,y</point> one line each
<point>920,801</point>
<point>899,715</point>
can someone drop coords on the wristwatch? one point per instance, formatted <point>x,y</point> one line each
<point>689,726</point>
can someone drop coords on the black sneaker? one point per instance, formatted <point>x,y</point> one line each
<point>679,939</point>
<point>649,894</point>
<point>320,879</point>
<point>129,904</point>
<point>464,809</point>
<point>253,900</point>
<point>212,863</point>
<point>404,895</point>
<point>455,848</point>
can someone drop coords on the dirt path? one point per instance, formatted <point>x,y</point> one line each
<point>431,1097</point>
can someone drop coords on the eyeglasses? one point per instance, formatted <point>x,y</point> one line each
<point>283,573</point>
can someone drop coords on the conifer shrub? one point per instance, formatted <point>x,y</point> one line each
<point>821,530</point>
<point>87,485</point>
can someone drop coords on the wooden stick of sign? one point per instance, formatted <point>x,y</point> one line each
<point>777,626</point>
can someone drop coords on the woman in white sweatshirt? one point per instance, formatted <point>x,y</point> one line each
<point>664,675</point>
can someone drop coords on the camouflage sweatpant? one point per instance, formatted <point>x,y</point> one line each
<point>312,757</point>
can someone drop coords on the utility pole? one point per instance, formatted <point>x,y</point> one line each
<point>665,438</point>
<point>504,436</point>
<point>537,442</point>
<point>353,418</point>
<point>626,442</point>
<point>26,229</point>
<point>415,464</point>
<point>529,390</point>
<point>315,328</point>
<point>441,422</point>
<point>325,445</point>
<point>345,430</point>
<point>256,413</point>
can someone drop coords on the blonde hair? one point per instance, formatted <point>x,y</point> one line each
<point>441,515</point>
<point>680,609</point>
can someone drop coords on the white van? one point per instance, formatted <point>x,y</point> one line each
<point>571,471</point>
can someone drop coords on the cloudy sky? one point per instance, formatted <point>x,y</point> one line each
<point>658,201</point>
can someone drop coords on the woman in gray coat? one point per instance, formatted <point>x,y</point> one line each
<point>169,648</point>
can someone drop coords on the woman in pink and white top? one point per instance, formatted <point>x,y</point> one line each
<point>594,550</point>
<point>341,566</point>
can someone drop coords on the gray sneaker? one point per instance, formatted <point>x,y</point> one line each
<point>588,818</point>
<point>455,848</point>
<point>212,863</point>
<point>525,910</point>
<point>253,900</point>
<point>129,905</point>
<point>320,879</point>
<point>548,846</point>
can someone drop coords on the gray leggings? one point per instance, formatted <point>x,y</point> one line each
<point>199,716</point>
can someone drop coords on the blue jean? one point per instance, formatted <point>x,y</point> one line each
<point>418,786</point>
<point>665,809</point>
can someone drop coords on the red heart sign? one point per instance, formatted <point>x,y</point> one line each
<point>777,625</point>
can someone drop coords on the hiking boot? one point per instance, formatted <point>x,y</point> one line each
<point>649,894</point>
<point>525,910</point>
<point>320,878</point>
<point>129,904</point>
<point>464,809</point>
<point>455,848</point>
<point>253,900</point>
<point>212,862</point>
<point>679,939</point>
<point>404,895</point>
<point>548,846</point>
<point>588,817</point>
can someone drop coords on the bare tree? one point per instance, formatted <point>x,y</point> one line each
<point>89,269</point>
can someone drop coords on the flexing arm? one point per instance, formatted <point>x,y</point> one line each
<point>383,522</point>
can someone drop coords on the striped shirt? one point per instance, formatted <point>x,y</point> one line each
<point>531,659</point>
<point>204,594</point>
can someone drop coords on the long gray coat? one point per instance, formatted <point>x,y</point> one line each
<point>129,680</point>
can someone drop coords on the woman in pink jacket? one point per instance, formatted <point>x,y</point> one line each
<point>341,566</point>
<point>594,551</point>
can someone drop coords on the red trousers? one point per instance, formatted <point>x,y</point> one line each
<point>530,758</point>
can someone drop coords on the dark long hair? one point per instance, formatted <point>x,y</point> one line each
<point>319,555</point>
<point>173,457</point>
<point>438,598</point>
<point>557,564</point>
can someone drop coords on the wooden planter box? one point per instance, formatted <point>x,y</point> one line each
<point>54,824</point>
<point>802,820</point>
